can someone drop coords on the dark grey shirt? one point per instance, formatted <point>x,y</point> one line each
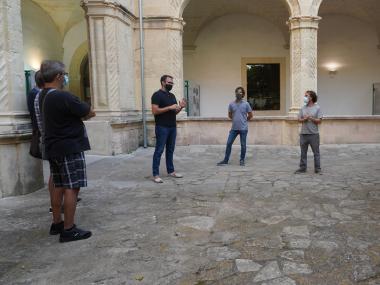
<point>239,115</point>
<point>308,127</point>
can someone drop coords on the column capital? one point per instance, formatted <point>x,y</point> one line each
<point>163,23</point>
<point>303,22</point>
<point>107,8</point>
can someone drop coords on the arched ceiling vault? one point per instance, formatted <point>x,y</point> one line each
<point>65,14</point>
<point>364,10</point>
<point>198,13</point>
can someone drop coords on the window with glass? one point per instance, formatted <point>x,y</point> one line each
<point>263,86</point>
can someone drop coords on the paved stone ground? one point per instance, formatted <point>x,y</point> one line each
<point>258,224</point>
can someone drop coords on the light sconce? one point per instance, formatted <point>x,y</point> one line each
<point>34,58</point>
<point>332,68</point>
<point>35,63</point>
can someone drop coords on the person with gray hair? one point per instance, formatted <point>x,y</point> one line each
<point>65,141</point>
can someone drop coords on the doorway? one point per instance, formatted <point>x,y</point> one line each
<point>85,80</point>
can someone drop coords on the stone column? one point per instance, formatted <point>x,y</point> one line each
<point>19,172</point>
<point>112,70</point>
<point>117,126</point>
<point>163,54</point>
<point>303,53</point>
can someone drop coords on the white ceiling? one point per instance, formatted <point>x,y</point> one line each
<point>199,13</point>
<point>65,13</point>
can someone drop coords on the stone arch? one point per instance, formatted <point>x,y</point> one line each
<point>284,31</point>
<point>292,5</point>
<point>314,9</point>
<point>75,70</point>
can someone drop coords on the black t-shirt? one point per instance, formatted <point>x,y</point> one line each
<point>164,99</point>
<point>65,132</point>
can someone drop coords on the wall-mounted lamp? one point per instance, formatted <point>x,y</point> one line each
<point>33,58</point>
<point>35,63</point>
<point>332,67</point>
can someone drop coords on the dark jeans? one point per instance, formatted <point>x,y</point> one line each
<point>313,141</point>
<point>165,136</point>
<point>243,143</point>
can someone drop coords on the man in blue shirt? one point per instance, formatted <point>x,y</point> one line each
<point>240,112</point>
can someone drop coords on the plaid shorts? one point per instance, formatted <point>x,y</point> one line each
<point>69,171</point>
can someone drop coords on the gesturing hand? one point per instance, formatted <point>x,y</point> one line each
<point>182,103</point>
<point>89,115</point>
<point>173,107</point>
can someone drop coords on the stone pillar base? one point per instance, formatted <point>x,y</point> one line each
<point>116,136</point>
<point>20,173</point>
<point>293,112</point>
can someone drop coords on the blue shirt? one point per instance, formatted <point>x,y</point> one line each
<point>239,112</point>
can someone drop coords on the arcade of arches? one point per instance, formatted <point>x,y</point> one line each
<point>275,49</point>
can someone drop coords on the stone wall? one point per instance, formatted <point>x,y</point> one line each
<point>124,137</point>
<point>280,131</point>
<point>19,172</point>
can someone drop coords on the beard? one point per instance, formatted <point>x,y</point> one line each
<point>239,96</point>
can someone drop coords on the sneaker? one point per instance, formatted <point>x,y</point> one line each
<point>221,163</point>
<point>318,171</point>
<point>56,228</point>
<point>298,171</point>
<point>242,163</point>
<point>74,234</point>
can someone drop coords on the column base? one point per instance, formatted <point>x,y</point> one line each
<point>114,136</point>
<point>20,173</point>
<point>293,112</point>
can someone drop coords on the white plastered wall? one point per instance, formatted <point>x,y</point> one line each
<point>352,45</point>
<point>216,63</point>
<point>74,38</point>
<point>40,36</point>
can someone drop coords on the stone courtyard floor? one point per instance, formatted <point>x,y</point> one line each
<point>258,224</point>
